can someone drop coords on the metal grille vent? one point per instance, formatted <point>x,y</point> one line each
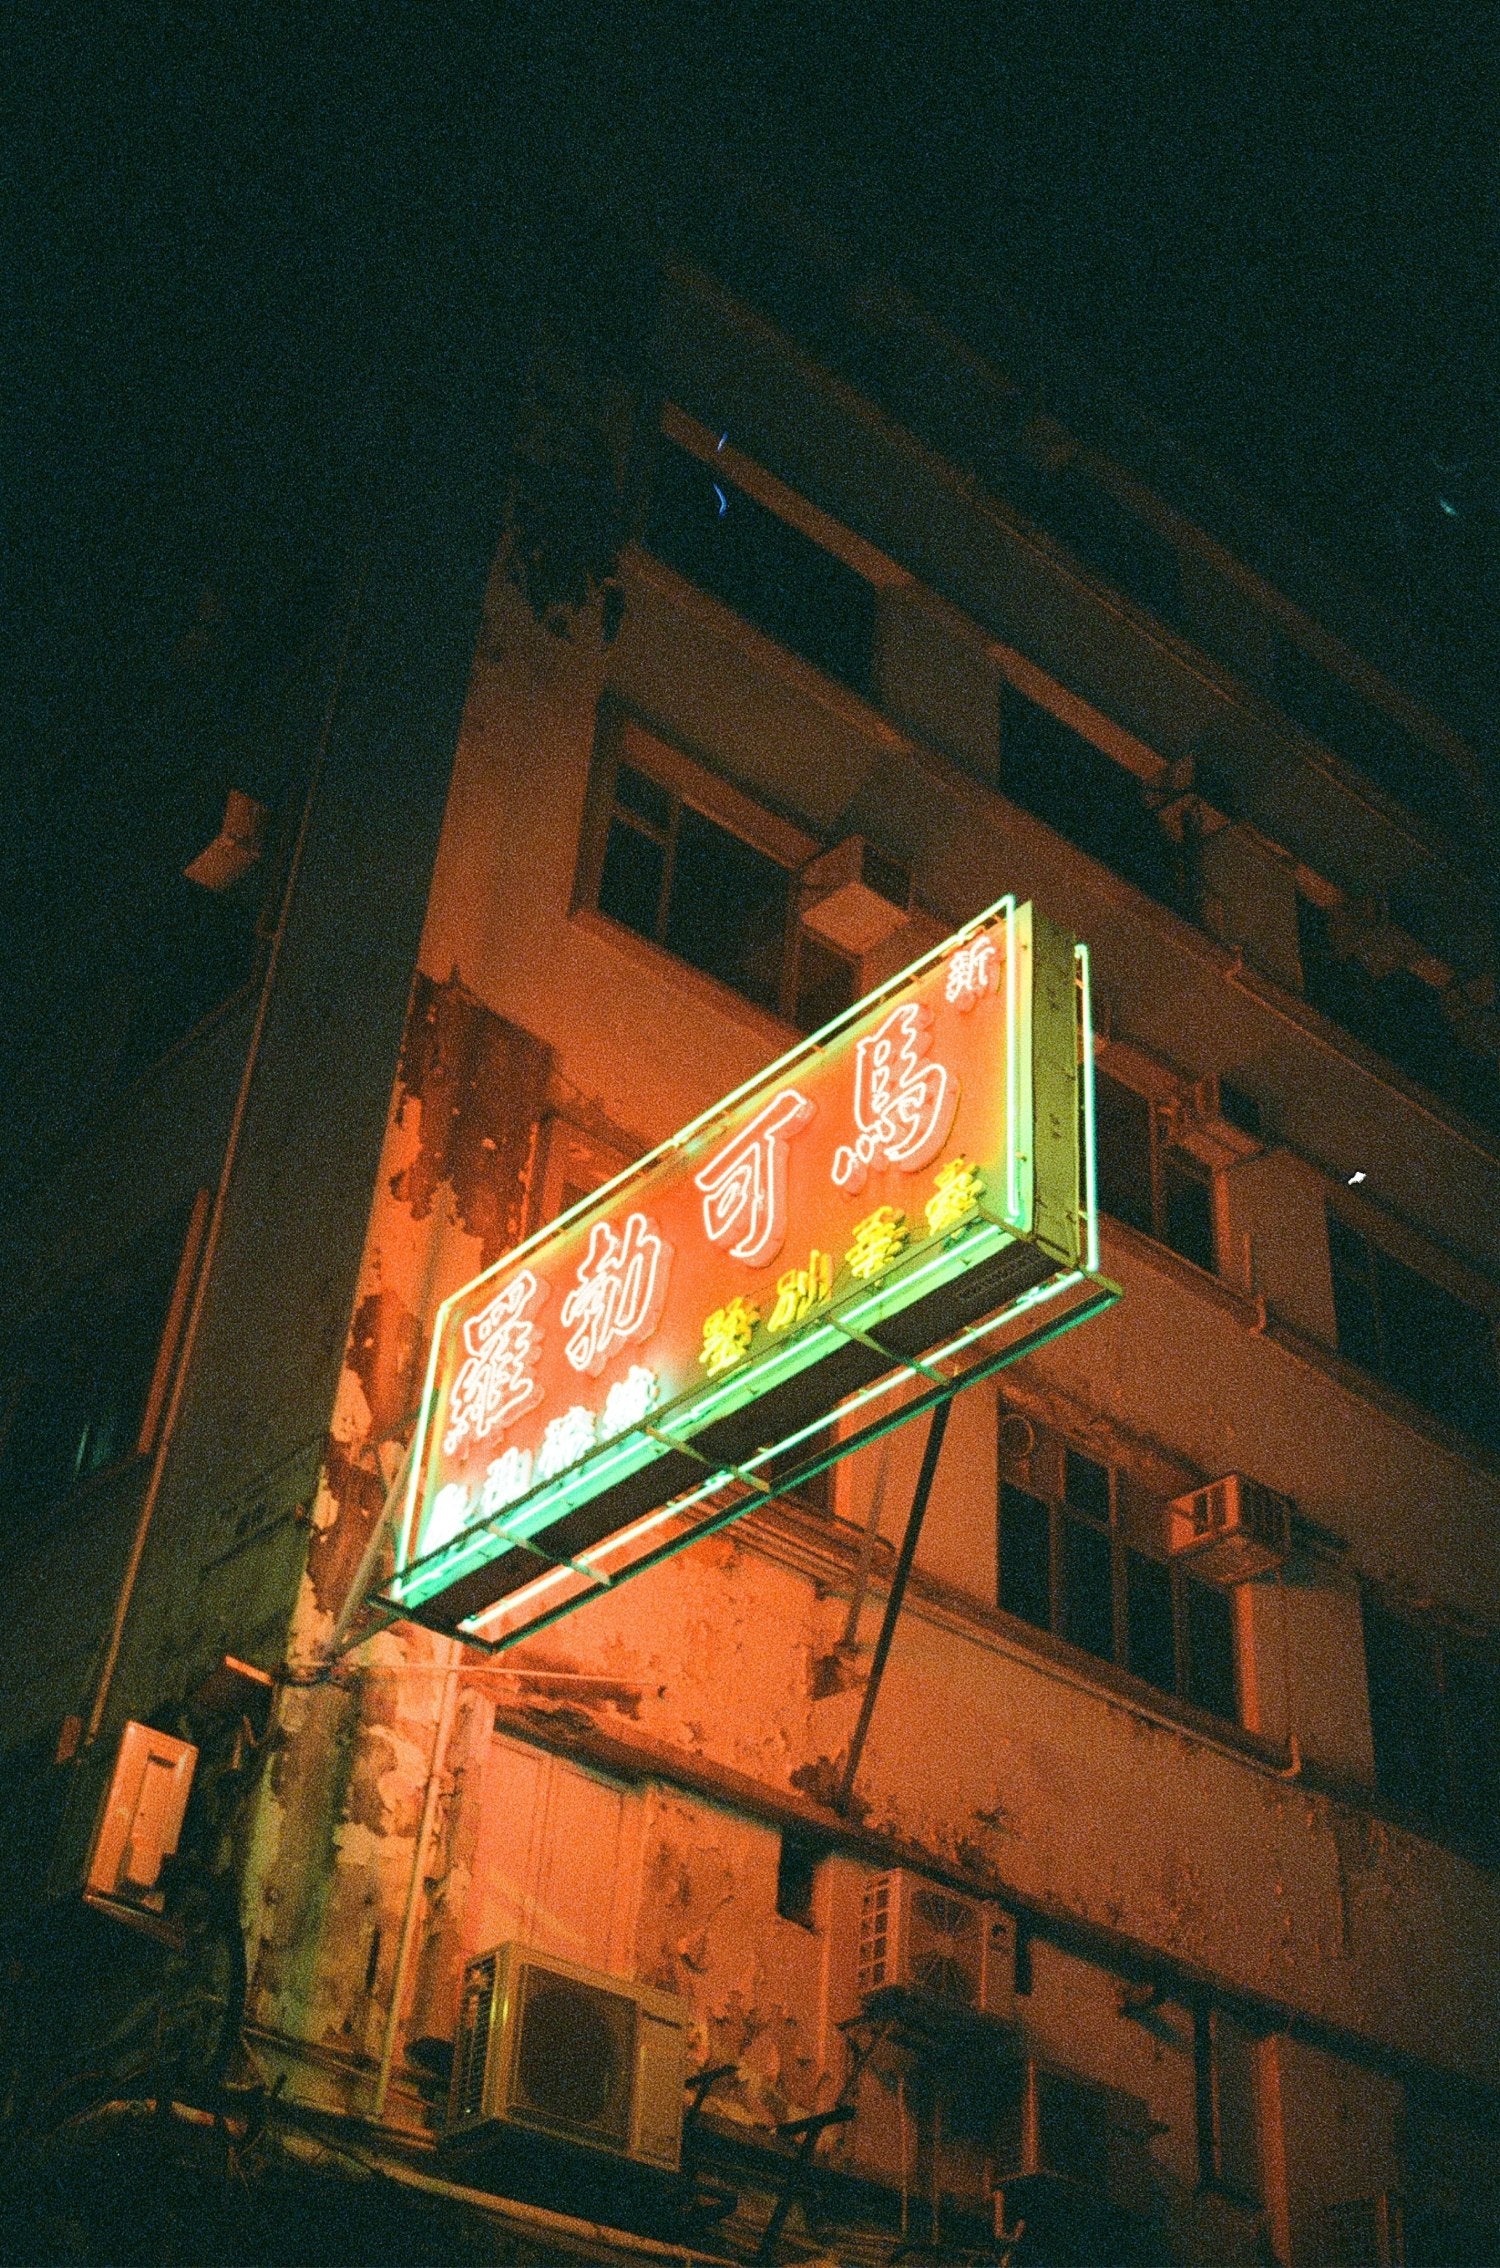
<point>945,1952</point>
<point>471,2051</point>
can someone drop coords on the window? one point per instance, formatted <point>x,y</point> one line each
<point>1087,797</point>
<point>673,873</point>
<point>81,1387</point>
<point>1435,1716</point>
<point>1369,737</point>
<point>1078,1556</point>
<point>796,1876</point>
<point>1399,1015</point>
<point>1417,1337</point>
<point>779,579</point>
<point>1112,539</point>
<point>1226,2064</point>
<point>1145,1181</point>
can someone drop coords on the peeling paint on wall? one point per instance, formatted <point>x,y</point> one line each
<point>479,1084</point>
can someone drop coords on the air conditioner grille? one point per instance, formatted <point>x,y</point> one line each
<point>473,2039</point>
<point>575,2055</point>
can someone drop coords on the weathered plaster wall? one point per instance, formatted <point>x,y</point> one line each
<point>1001,1763</point>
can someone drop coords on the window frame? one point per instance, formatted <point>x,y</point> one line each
<point>732,470</point>
<point>1058,1450</point>
<point>694,786</point>
<point>1164,1153</point>
<point>1445,1817</point>
<point>1342,1217</point>
<point>180,1234</point>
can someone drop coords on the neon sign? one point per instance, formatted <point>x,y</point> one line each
<point>907,1182</point>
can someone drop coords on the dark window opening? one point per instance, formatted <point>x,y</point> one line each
<point>1435,1717</point>
<point>79,1384</point>
<point>1150,1620</point>
<point>1226,2063</point>
<point>1025,1556</point>
<point>1209,1618</point>
<point>1110,538</point>
<point>1399,1015</point>
<point>676,876</point>
<point>1414,1335</point>
<point>1147,1183</point>
<point>194,949</point>
<point>779,579</point>
<point>796,1878</point>
<point>1370,739</point>
<point>1092,801</point>
<point>1068,1564</point>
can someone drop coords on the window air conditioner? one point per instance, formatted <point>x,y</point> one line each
<point>556,2049</point>
<point>1232,1531</point>
<point>854,897</point>
<point>1367,2232</point>
<point>938,1942</point>
<point>140,1819</point>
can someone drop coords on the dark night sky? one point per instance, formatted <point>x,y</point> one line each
<point>1277,223</point>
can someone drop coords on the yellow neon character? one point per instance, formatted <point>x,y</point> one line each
<point>726,1335</point>
<point>878,1238</point>
<point>800,1290</point>
<point>956,1191</point>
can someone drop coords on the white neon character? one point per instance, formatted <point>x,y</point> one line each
<point>447,1517</point>
<point>618,1297</point>
<point>566,1439</point>
<point>496,1385</point>
<point>505,1480</point>
<point>744,1185</point>
<point>971,973</point>
<point>903,1106</point>
<point>629,1400</point>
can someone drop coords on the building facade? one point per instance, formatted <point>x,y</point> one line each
<point>1160,1919</point>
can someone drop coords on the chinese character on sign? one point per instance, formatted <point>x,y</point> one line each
<point>744,1185</point>
<point>971,973</point>
<point>508,1478</point>
<point>956,1191</point>
<point>618,1297</point>
<point>495,1384</point>
<point>800,1290</point>
<point>878,1239</point>
<point>726,1335</point>
<point>903,1105</point>
<point>630,1399</point>
<point>566,1439</point>
<point>450,1509</point>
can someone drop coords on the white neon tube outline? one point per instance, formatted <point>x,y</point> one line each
<point>1090,1155</point>
<point>1039,1295</point>
<point>813,1045</point>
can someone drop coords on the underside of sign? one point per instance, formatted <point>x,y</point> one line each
<point>900,1205</point>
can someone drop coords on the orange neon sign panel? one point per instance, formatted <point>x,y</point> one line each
<point>923,1161</point>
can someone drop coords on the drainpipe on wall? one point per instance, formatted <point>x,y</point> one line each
<point>441,1734</point>
<point>221,1193</point>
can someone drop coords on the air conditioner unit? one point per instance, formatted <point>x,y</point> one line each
<point>545,2045</point>
<point>1367,2232</point>
<point>854,896</point>
<point>1232,1531</point>
<point>140,1819</point>
<point>936,1942</point>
